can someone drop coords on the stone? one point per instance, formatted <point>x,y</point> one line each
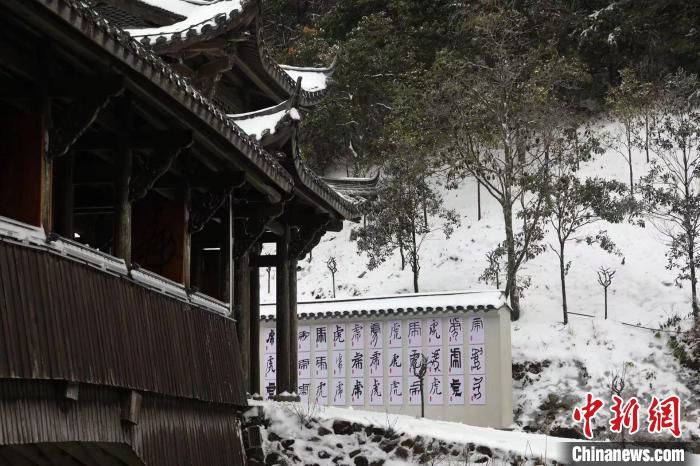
<point>273,437</point>
<point>287,443</point>
<point>387,445</point>
<point>354,453</point>
<point>408,443</point>
<point>339,446</point>
<point>401,452</point>
<point>341,427</point>
<point>357,427</point>
<point>481,459</point>
<point>323,454</point>
<point>418,448</point>
<point>484,450</point>
<point>323,431</point>
<point>361,461</point>
<point>377,463</point>
<point>273,458</point>
<point>377,438</point>
<point>424,458</point>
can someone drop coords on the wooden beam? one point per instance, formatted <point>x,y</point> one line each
<point>131,407</point>
<point>258,209</point>
<point>254,378</point>
<point>293,327</point>
<point>257,81</point>
<point>80,114</point>
<point>213,68</point>
<point>142,140</point>
<point>157,165</point>
<point>263,261</point>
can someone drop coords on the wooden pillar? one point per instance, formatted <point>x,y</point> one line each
<point>64,196</point>
<point>283,315</point>
<point>254,380</point>
<point>293,326</point>
<point>124,160</point>
<point>242,296</point>
<point>187,239</point>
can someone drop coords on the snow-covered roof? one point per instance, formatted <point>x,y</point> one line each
<point>199,16</point>
<point>312,79</point>
<point>395,304</point>
<point>260,123</point>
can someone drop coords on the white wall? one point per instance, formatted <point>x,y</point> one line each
<point>497,410</point>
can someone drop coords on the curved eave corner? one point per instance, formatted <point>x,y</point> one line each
<point>210,21</point>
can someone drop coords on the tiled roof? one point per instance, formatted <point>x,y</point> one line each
<point>407,304</point>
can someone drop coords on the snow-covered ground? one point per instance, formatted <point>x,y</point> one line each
<point>581,357</point>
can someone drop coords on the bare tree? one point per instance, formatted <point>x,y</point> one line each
<point>605,277</point>
<point>419,371</point>
<point>333,268</point>
<point>671,190</point>
<point>268,270</point>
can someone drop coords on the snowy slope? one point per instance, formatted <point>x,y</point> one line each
<point>584,355</point>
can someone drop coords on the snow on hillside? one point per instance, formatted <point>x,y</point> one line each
<point>581,357</point>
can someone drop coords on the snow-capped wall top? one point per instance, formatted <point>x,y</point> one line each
<point>312,79</point>
<point>199,15</point>
<point>395,304</point>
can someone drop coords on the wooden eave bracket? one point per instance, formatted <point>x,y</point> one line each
<point>158,164</point>
<point>80,114</point>
<point>253,221</point>
<point>131,407</point>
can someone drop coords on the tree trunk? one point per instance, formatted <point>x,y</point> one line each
<point>693,278</point>
<point>562,276</point>
<point>606,303</point>
<point>646,136</point>
<point>425,215</point>
<point>511,272</point>
<point>478,200</point>
<point>333,275</point>
<point>415,267</point>
<point>403,258</point>
<point>422,399</point>
<point>629,160</point>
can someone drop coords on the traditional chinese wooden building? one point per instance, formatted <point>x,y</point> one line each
<point>149,150</point>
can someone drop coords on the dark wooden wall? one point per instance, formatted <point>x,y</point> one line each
<point>170,431</point>
<point>61,320</point>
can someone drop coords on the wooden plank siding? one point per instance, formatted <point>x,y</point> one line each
<point>170,431</point>
<point>65,321</point>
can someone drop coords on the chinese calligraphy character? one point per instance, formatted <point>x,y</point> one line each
<point>321,390</point>
<point>434,329</point>
<point>357,361</point>
<point>395,331</point>
<point>477,353</point>
<point>414,329</point>
<point>375,360</point>
<point>356,337</point>
<point>414,389</point>
<point>435,387</point>
<point>270,340</point>
<point>395,388</point>
<point>357,390</point>
<point>456,388</point>
<point>270,365</point>
<point>624,416</point>
<point>320,335</point>
<point>434,361</point>
<point>304,389</point>
<point>395,361</point>
<point>413,360</point>
<point>477,324</point>
<point>303,364</point>
<point>665,415</point>
<point>339,362</point>
<point>374,332</point>
<point>339,334</point>
<point>338,391</point>
<point>321,363</point>
<point>476,388</point>
<point>304,335</point>
<point>586,413</point>
<point>271,389</point>
<point>455,327</point>
<point>456,358</point>
<point>375,390</point>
